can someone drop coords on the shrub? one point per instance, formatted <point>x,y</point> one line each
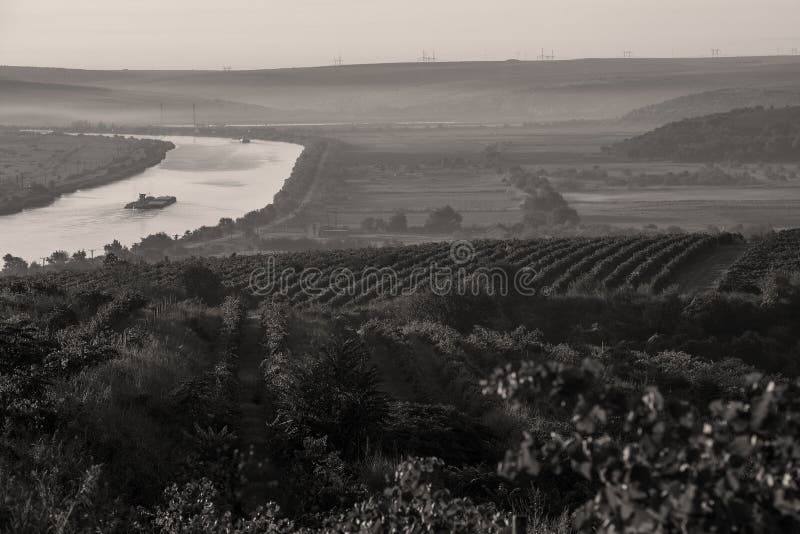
<point>201,282</point>
<point>661,465</point>
<point>334,395</point>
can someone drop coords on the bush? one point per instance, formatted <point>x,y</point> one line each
<point>437,430</point>
<point>660,464</point>
<point>201,282</point>
<point>335,395</point>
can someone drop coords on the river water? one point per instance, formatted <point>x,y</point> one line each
<point>211,177</point>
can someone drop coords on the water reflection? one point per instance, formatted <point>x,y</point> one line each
<point>211,177</point>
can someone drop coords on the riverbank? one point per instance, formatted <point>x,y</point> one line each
<point>37,169</point>
<point>213,179</point>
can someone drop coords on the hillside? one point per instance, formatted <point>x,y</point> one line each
<point>169,398</point>
<point>470,91</point>
<point>52,104</point>
<point>709,102</point>
<point>749,135</point>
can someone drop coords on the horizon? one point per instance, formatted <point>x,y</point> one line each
<point>205,35</point>
<point>416,62</point>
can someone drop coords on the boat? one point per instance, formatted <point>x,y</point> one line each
<point>150,203</point>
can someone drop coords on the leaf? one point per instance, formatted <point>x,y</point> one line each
<point>741,446</point>
<point>760,410</point>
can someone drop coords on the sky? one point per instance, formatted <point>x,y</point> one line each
<point>248,34</point>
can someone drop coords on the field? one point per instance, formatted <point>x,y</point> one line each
<point>359,276</point>
<point>37,168</point>
<point>152,396</point>
<point>779,253</point>
<point>417,169</point>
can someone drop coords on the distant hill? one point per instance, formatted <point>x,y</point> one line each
<point>519,91</point>
<point>42,104</point>
<point>749,134</point>
<point>709,102</point>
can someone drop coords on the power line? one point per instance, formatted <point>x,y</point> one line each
<point>428,58</point>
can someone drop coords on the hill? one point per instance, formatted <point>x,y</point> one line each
<point>52,104</point>
<point>709,102</point>
<point>750,134</point>
<point>468,91</point>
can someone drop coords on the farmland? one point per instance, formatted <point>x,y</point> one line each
<point>418,169</point>
<point>36,168</point>
<point>778,253</point>
<point>155,376</point>
<point>348,277</point>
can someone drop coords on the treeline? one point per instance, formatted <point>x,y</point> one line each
<point>444,220</point>
<point>747,134</point>
<point>708,175</point>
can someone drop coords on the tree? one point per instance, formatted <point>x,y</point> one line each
<point>115,248</point>
<point>79,256</point>
<point>563,215</point>
<point>59,257</point>
<point>398,222</point>
<point>226,225</point>
<point>153,246</point>
<point>14,265</point>
<point>444,219</point>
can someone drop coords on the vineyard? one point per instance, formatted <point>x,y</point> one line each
<point>779,252</point>
<point>361,276</point>
<point>341,406</point>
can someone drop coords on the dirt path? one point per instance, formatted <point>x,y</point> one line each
<point>255,413</point>
<point>705,272</point>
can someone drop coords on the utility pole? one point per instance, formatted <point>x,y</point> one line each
<point>428,59</point>
<point>545,57</point>
<point>194,116</point>
<point>91,250</point>
<point>161,110</point>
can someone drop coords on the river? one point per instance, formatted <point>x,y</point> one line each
<point>211,177</point>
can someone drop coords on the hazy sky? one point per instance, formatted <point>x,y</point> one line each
<point>278,33</point>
